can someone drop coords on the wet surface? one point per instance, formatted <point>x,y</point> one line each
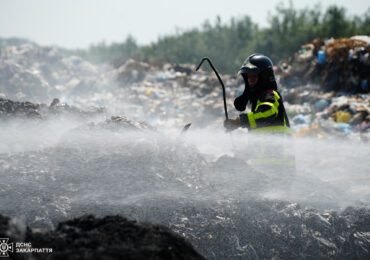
<point>217,201</point>
<point>113,145</point>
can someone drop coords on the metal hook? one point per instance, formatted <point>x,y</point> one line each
<point>219,79</point>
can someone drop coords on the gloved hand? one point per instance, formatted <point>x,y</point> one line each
<point>232,124</point>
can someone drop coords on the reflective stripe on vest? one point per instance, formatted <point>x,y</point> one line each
<point>274,110</point>
<point>252,116</point>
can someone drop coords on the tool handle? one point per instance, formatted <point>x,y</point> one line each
<point>219,79</point>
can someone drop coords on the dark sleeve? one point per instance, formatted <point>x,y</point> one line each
<point>244,121</point>
<point>240,103</point>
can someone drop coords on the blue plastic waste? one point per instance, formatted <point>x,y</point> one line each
<point>301,119</point>
<point>161,77</point>
<point>321,104</point>
<point>321,57</point>
<point>350,55</point>
<point>364,84</point>
<point>343,127</point>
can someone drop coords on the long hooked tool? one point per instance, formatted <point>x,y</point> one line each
<point>219,79</point>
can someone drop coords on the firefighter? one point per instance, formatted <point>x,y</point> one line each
<point>267,108</point>
<point>270,154</point>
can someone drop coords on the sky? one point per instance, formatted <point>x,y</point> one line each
<point>80,23</point>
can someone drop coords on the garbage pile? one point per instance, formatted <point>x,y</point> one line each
<point>39,74</point>
<point>325,86</point>
<point>158,94</point>
<point>172,95</point>
<point>335,64</point>
<point>327,114</point>
<point>10,109</point>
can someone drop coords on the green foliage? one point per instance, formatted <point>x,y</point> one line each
<point>228,44</point>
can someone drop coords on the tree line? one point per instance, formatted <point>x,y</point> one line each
<point>229,43</point>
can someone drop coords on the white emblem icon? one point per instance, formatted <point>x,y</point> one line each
<point>5,247</point>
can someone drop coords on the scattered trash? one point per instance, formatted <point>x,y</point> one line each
<point>10,109</point>
<point>343,127</point>
<point>342,116</point>
<point>335,64</point>
<point>168,95</point>
<point>321,57</point>
<point>326,83</point>
<point>301,119</point>
<point>321,104</point>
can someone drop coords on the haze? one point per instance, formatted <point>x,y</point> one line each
<point>77,24</point>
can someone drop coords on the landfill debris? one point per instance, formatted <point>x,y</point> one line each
<point>342,116</point>
<point>227,229</point>
<point>165,92</point>
<point>336,64</point>
<point>168,95</point>
<point>15,109</point>
<point>325,86</point>
<point>166,181</point>
<point>122,122</point>
<point>327,117</point>
<point>132,71</point>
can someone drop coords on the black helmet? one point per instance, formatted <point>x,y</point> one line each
<point>256,63</point>
<point>261,65</point>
